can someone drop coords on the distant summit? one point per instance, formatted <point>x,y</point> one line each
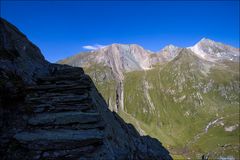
<point>119,57</point>
<point>213,51</point>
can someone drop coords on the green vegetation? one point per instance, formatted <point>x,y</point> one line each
<point>104,81</point>
<point>176,101</point>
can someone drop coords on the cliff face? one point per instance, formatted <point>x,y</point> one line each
<point>56,111</point>
<point>19,55</point>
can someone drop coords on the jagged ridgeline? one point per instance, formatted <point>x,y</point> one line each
<point>52,111</point>
<point>186,97</point>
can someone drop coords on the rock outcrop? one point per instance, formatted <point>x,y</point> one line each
<point>19,55</point>
<point>166,54</point>
<point>57,113</point>
<point>119,57</point>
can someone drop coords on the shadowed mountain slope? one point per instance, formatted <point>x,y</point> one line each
<point>51,111</point>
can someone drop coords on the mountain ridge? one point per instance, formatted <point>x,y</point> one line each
<point>211,50</point>
<point>146,59</point>
<point>196,92</point>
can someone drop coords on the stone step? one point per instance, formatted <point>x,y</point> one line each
<point>55,87</point>
<point>81,79</point>
<point>61,107</point>
<point>45,94</point>
<point>67,82</point>
<point>79,90</point>
<point>57,78</point>
<point>100,125</point>
<point>59,138</point>
<point>68,153</point>
<point>58,99</point>
<point>55,95</point>
<point>39,93</point>
<point>73,89</point>
<point>55,68</point>
<point>63,118</point>
<point>61,103</point>
<point>52,94</point>
<point>67,70</point>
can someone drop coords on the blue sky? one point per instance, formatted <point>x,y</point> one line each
<point>63,28</point>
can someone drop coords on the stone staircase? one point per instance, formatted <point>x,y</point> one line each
<point>63,123</point>
<point>61,116</point>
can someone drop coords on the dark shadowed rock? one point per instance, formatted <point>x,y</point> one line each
<point>61,115</point>
<point>64,118</point>
<point>18,55</point>
<point>59,139</point>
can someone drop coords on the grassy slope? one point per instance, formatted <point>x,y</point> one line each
<point>176,124</point>
<point>104,81</point>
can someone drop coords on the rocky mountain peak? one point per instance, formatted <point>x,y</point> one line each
<point>170,47</point>
<point>185,54</point>
<point>206,40</point>
<point>119,57</point>
<point>133,48</point>
<point>215,51</point>
<point>168,52</point>
<point>210,43</point>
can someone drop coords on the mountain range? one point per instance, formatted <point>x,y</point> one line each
<point>186,97</point>
<point>126,58</point>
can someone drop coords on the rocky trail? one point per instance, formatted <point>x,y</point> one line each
<point>64,122</point>
<point>64,117</point>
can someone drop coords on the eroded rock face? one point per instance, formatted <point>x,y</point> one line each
<point>61,115</point>
<point>18,55</point>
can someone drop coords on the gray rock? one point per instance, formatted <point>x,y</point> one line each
<point>54,87</point>
<point>58,135</point>
<point>56,99</point>
<point>18,55</point>
<point>63,118</point>
<point>60,107</point>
